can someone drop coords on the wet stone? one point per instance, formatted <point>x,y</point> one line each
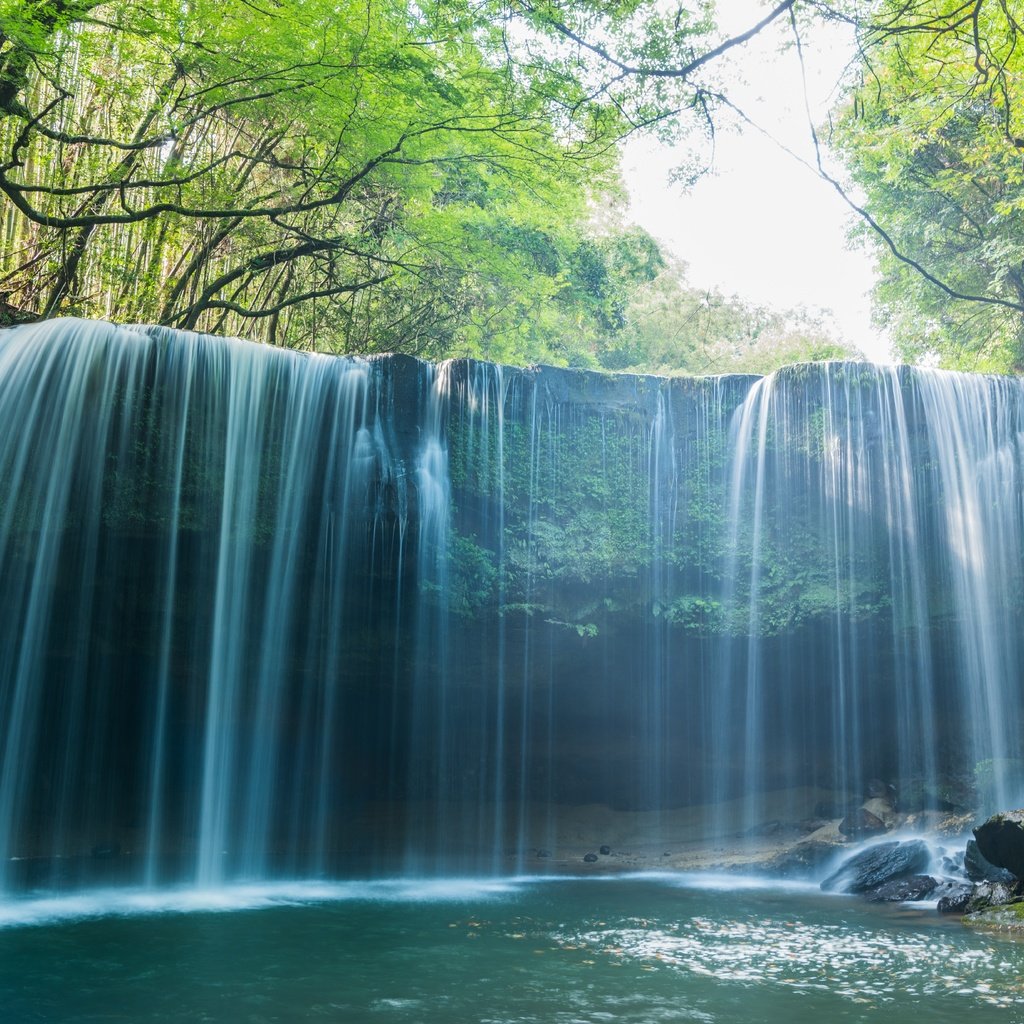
<point>979,869</point>
<point>861,824</point>
<point>999,843</point>
<point>991,894</point>
<point>879,788</point>
<point>877,865</point>
<point>903,890</point>
<point>956,901</point>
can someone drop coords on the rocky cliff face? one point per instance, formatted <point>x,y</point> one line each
<point>324,612</point>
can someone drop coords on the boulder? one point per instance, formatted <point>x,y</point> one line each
<point>803,860</point>
<point>952,864</point>
<point>862,824</point>
<point>1001,841</point>
<point>879,864</point>
<point>903,890</point>
<point>979,869</point>
<point>881,809</point>
<point>955,901</point>
<point>991,894</point>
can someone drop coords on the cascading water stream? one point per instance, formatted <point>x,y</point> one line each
<point>978,426</point>
<point>270,615</point>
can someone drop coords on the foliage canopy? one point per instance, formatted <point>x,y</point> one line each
<point>365,172</point>
<point>424,178</point>
<point>933,134</point>
<point>350,177</point>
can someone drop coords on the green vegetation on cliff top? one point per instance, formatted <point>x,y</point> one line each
<point>440,178</point>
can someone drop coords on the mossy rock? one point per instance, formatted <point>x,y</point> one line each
<point>1008,919</point>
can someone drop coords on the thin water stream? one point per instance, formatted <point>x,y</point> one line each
<point>265,614</point>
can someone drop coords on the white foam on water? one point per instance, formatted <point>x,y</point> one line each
<point>45,908</point>
<point>50,908</point>
<point>698,880</point>
<point>725,882</point>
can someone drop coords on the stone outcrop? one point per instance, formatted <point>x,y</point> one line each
<point>1007,918</point>
<point>877,865</point>
<point>1001,841</point>
<point>979,869</point>
<point>956,900</point>
<point>875,816</point>
<point>990,894</point>
<point>883,809</point>
<point>903,890</point>
<point>862,824</point>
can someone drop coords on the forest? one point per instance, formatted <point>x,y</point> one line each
<point>441,178</point>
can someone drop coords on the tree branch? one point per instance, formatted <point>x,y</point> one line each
<point>884,235</point>
<point>293,300</point>
<point>683,70</point>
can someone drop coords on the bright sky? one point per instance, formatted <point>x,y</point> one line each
<point>764,227</point>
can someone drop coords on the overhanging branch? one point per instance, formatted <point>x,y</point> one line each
<point>682,70</point>
<point>862,212</point>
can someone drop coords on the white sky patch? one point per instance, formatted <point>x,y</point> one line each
<point>763,226</point>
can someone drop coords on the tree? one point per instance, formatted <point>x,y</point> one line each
<point>672,327</point>
<point>359,177</point>
<point>337,174</point>
<point>934,136</point>
<point>334,174</point>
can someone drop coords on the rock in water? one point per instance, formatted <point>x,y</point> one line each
<point>990,894</point>
<point>978,869</point>
<point>879,864</point>
<point>1001,841</point>
<point>956,900</point>
<point>590,858</point>
<point>903,890</point>
<point>1008,919</point>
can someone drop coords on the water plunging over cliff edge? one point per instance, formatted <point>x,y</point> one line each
<point>267,614</point>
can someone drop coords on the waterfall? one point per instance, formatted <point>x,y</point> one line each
<point>268,614</point>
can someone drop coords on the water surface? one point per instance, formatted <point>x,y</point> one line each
<point>552,951</point>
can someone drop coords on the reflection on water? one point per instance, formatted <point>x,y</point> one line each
<point>568,951</point>
<point>864,966</point>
